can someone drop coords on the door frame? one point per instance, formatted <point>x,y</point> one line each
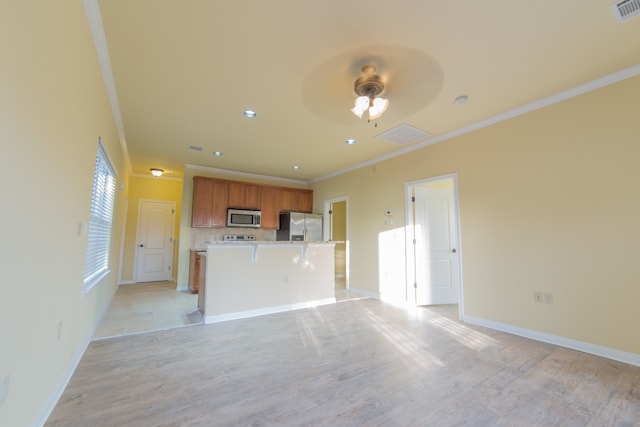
<point>326,229</point>
<point>172,205</point>
<point>410,233</point>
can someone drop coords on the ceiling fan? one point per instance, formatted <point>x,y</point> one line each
<point>368,86</point>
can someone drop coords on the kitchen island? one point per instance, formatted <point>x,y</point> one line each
<point>246,279</point>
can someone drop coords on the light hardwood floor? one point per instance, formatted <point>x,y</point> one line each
<point>354,363</point>
<point>154,306</point>
<point>145,307</point>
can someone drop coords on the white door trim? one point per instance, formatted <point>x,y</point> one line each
<point>410,262</point>
<point>326,232</point>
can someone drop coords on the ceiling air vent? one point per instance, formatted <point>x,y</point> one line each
<point>626,9</point>
<point>194,148</point>
<point>403,134</point>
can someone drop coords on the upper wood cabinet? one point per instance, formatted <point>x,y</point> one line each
<point>252,196</point>
<point>288,200</point>
<point>209,202</point>
<point>270,207</point>
<point>212,197</point>
<point>305,201</point>
<point>243,195</point>
<point>296,200</point>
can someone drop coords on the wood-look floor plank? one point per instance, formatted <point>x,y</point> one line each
<point>354,363</point>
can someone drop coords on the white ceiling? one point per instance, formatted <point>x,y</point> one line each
<point>184,71</point>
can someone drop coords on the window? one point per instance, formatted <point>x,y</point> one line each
<point>100,221</point>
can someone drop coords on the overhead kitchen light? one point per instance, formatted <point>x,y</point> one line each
<point>218,153</point>
<point>249,113</point>
<point>368,86</point>
<point>350,141</point>
<point>156,172</point>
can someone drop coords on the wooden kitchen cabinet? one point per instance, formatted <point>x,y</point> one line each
<point>305,201</point>
<point>296,200</point>
<point>197,269</point>
<point>288,200</point>
<point>252,196</point>
<point>210,197</point>
<point>270,207</point>
<point>244,195</point>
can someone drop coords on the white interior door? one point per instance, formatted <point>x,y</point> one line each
<point>154,252</point>
<point>437,270</point>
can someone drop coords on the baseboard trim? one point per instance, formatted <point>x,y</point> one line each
<point>585,347</point>
<point>360,292</point>
<point>269,310</point>
<point>54,397</point>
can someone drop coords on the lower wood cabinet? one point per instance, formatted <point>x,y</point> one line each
<point>197,268</point>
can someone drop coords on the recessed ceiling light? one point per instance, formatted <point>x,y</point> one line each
<point>350,141</point>
<point>249,113</point>
<point>461,99</point>
<point>218,153</point>
<point>295,167</point>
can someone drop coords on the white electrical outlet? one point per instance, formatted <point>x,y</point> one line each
<point>538,296</point>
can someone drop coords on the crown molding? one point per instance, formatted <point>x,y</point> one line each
<point>247,174</point>
<point>94,19</point>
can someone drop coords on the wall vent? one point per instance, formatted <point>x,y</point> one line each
<point>404,134</point>
<point>626,9</point>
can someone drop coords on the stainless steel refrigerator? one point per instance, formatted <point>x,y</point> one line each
<point>298,226</point>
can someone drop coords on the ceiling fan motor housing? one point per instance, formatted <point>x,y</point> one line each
<point>368,84</point>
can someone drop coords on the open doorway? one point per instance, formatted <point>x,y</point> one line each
<point>336,229</point>
<point>433,243</point>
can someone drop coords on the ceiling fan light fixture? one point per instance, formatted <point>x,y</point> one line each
<point>156,172</point>
<point>368,86</point>
<point>379,106</point>
<point>360,105</point>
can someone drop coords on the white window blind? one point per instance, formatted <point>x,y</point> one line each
<point>99,232</point>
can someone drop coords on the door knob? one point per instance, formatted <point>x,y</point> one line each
<point>141,245</point>
<point>454,250</point>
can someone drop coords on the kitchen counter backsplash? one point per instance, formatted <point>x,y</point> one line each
<point>199,236</point>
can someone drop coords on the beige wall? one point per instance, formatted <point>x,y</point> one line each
<point>548,201</point>
<point>53,108</point>
<point>147,188</point>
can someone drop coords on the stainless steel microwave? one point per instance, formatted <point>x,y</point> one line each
<point>243,218</point>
